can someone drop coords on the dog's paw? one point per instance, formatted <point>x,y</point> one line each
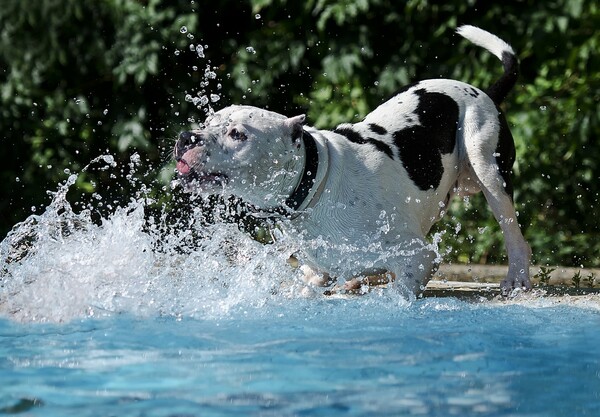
<point>514,284</point>
<point>314,278</point>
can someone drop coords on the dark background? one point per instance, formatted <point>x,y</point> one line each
<point>79,79</point>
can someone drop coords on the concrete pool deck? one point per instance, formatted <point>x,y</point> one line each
<point>495,274</point>
<point>479,282</point>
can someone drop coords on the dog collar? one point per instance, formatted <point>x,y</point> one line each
<point>311,165</point>
<point>300,194</point>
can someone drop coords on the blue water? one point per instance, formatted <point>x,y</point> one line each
<point>117,318</point>
<point>432,357</point>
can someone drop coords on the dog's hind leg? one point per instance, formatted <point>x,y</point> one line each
<point>492,170</point>
<point>519,252</point>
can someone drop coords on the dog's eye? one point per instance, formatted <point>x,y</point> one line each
<point>237,135</point>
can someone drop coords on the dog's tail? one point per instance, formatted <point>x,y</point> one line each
<point>500,89</point>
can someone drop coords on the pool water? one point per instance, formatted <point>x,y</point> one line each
<point>117,318</point>
<point>433,357</point>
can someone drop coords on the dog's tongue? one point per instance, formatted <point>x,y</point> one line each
<point>183,167</point>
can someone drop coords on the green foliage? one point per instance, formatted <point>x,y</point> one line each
<point>80,79</point>
<point>576,279</point>
<point>590,279</point>
<point>544,275</point>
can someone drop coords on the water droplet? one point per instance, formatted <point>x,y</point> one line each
<point>543,108</point>
<point>183,29</point>
<point>209,74</point>
<point>257,16</point>
<point>215,97</point>
<point>250,50</point>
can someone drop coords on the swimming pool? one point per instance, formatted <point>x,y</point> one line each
<point>96,319</point>
<point>432,357</point>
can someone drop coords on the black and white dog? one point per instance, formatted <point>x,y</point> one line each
<point>364,196</point>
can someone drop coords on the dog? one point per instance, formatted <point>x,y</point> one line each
<point>363,197</point>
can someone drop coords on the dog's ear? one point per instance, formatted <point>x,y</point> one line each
<point>295,125</point>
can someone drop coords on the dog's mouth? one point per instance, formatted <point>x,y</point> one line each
<point>183,168</point>
<point>191,176</point>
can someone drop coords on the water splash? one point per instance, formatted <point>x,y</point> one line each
<point>61,264</point>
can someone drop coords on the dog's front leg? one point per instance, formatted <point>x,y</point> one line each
<point>315,278</point>
<point>519,255</point>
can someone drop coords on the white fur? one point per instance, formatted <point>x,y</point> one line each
<point>486,40</point>
<point>365,214</point>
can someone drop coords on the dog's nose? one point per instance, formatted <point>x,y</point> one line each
<point>187,141</point>
<point>190,139</point>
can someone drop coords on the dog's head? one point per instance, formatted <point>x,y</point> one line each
<point>245,151</point>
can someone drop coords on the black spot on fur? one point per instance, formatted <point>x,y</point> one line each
<point>355,137</point>
<point>375,128</point>
<point>402,90</point>
<point>505,149</point>
<point>381,146</point>
<point>472,92</point>
<point>350,134</point>
<point>421,147</point>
